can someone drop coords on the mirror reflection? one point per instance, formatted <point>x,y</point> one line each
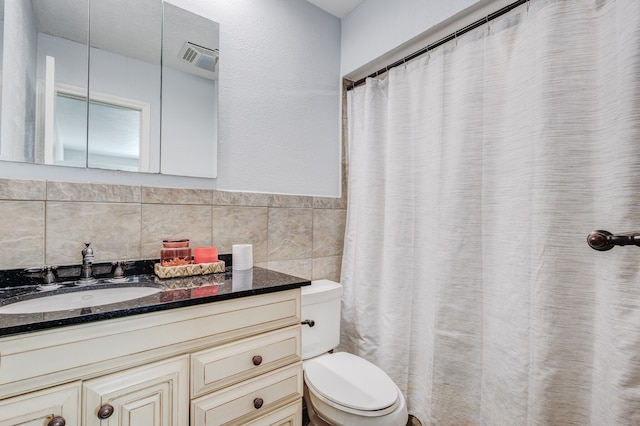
<point>189,94</point>
<point>124,84</point>
<point>32,54</point>
<point>80,99</point>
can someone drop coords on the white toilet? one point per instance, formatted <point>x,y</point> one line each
<point>341,389</point>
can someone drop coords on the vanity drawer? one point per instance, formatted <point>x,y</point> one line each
<point>291,415</point>
<point>240,404</point>
<point>218,367</point>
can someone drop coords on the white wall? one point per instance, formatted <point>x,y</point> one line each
<point>279,95</point>
<point>279,100</point>
<point>379,32</point>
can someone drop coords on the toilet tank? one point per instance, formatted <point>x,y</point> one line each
<point>321,304</point>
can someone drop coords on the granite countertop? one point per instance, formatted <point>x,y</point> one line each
<point>174,293</point>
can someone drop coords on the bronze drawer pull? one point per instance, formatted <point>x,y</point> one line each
<point>257,360</point>
<point>258,402</point>
<point>105,411</point>
<point>57,421</point>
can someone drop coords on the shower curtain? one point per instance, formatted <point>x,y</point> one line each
<point>475,174</point>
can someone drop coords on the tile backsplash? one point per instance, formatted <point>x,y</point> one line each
<point>47,223</point>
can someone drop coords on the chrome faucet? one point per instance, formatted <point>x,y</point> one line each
<point>86,273</point>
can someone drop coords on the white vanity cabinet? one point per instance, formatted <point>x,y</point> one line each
<point>232,362</point>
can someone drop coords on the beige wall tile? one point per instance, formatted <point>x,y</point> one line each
<point>241,225</point>
<point>17,189</point>
<point>112,228</point>
<point>290,201</point>
<point>152,195</point>
<point>21,234</point>
<point>329,203</point>
<point>160,222</point>
<point>300,268</point>
<point>225,198</point>
<point>328,232</point>
<point>327,268</point>
<point>290,234</point>
<point>92,192</point>
<point>121,226</point>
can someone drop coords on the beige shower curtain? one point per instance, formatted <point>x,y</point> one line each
<point>476,173</point>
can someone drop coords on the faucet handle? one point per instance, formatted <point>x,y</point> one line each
<point>46,272</point>
<point>118,271</point>
<point>49,275</point>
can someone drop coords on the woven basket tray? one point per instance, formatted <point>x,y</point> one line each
<point>188,270</point>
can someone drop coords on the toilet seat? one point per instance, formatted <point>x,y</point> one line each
<point>351,384</point>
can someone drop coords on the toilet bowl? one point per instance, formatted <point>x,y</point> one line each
<point>341,389</point>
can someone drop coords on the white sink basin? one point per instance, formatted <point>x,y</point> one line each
<point>78,299</point>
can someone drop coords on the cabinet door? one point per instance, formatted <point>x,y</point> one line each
<point>40,408</point>
<point>152,395</point>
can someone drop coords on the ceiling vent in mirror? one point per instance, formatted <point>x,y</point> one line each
<point>199,56</point>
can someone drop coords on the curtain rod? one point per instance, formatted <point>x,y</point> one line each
<point>440,42</point>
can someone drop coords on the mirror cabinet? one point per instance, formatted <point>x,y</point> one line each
<point>110,84</point>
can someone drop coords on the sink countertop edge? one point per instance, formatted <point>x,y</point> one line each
<point>173,296</point>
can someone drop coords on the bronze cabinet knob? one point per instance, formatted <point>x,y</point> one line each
<point>257,360</point>
<point>57,421</point>
<point>258,402</point>
<point>105,411</point>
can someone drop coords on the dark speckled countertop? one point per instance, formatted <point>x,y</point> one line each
<point>174,293</point>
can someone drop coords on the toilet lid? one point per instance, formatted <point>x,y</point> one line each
<point>351,381</point>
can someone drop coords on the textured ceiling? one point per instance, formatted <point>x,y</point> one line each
<point>339,8</point>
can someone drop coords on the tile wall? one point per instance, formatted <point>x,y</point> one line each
<point>47,222</point>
